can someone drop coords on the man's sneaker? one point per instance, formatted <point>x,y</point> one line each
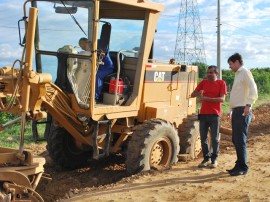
<point>214,164</point>
<point>204,163</point>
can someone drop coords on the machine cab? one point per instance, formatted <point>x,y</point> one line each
<point>114,31</point>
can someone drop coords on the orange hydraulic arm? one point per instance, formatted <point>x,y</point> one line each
<point>30,94</point>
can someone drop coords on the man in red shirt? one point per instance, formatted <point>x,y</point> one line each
<point>211,93</point>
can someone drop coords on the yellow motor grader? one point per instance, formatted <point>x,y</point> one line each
<point>145,111</point>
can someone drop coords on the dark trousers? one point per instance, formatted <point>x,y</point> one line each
<point>209,121</point>
<point>240,126</point>
<point>101,74</point>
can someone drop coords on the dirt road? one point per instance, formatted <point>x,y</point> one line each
<point>108,181</point>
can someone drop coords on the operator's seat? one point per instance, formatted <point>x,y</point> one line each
<point>105,64</point>
<point>105,36</point>
<point>66,68</point>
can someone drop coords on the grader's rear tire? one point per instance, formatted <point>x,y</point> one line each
<point>62,149</point>
<point>189,133</point>
<point>154,144</point>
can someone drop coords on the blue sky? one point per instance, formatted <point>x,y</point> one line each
<point>245,29</point>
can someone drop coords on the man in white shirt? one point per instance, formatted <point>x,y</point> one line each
<point>243,94</point>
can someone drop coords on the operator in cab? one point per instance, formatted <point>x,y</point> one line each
<point>103,70</point>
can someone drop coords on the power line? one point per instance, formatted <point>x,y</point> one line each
<point>246,30</point>
<point>44,29</point>
<point>3,26</point>
<point>233,20</point>
<point>225,22</point>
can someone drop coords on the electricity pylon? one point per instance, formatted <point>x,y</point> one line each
<point>189,46</point>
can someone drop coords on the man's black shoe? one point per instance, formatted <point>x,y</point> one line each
<point>231,170</point>
<point>237,172</point>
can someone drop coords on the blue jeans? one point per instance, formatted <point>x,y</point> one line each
<point>101,74</point>
<point>209,121</point>
<point>103,71</point>
<point>240,126</point>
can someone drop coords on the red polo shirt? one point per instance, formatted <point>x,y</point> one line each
<point>212,89</point>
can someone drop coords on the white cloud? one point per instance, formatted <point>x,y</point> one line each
<point>244,27</point>
<point>8,54</point>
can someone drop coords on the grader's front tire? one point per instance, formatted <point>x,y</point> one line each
<point>154,144</point>
<point>62,149</point>
<point>190,141</point>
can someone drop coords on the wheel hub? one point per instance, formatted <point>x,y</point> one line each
<point>161,152</point>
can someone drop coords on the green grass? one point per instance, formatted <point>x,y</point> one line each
<point>10,136</point>
<point>265,98</point>
<point>225,106</point>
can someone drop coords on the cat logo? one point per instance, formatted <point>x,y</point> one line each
<point>159,76</point>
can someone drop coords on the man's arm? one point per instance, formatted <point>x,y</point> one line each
<point>198,90</point>
<point>196,93</point>
<point>253,92</point>
<point>221,98</point>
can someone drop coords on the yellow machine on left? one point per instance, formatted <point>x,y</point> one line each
<point>20,171</point>
<point>142,110</point>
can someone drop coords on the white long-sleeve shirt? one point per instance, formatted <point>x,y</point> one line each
<point>244,90</point>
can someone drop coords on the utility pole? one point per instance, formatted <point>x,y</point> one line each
<point>218,41</point>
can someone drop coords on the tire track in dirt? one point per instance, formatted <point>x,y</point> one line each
<point>187,181</point>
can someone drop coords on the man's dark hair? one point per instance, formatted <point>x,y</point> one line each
<point>83,39</point>
<point>214,67</point>
<point>235,57</point>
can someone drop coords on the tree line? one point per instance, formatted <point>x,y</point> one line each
<point>261,77</point>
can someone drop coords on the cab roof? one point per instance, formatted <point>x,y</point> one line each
<point>139,4</point>
<point>119,9</point>
<point>128,9</point>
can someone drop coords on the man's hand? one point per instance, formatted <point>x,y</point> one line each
<point>200,96</point>
<point>246,111</point>
<point>229,115</point>
<point>201,92</point>
<point>196,94</point>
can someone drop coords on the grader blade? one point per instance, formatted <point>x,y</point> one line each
<point>20,174</point>
<point>14,192</point>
